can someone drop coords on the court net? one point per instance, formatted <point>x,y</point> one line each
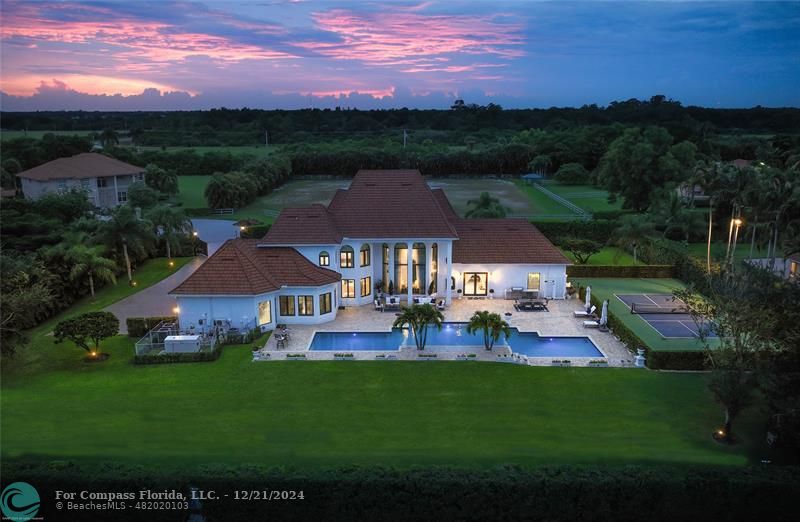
<point>673,308</point>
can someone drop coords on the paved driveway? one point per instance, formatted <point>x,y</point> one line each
<point>153,301</point>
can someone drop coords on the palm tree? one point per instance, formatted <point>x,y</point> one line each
<point>170,223</point>
<point>633,231</point>
<point>126,230</point>
<point>418,318</point>
<point>108,137</point>
<point>493,327</point>
<point>485,206</point>
<point>89,262</point>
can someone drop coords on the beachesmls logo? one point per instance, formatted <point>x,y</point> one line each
<point>19,501</point>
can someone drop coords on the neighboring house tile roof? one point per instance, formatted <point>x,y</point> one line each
<point>240,267</point>
<point>81,166</point>
<point>507,240</point>
<point>303,226</point>
<point>378,204</point>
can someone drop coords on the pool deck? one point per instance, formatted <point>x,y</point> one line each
<point>557,322</point>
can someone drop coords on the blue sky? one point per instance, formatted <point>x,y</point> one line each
<point>110,55</point>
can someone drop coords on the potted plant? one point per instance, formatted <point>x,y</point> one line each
<point>491,293</point>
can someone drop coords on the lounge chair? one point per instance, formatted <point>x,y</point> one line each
<point>591,324</point>
<point>584,313</point>
<point>392,302</point>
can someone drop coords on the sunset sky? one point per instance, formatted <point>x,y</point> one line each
<point>290,54</point>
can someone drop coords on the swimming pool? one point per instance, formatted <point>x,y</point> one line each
<point>454,337</point>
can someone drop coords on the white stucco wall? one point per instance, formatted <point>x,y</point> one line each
<point>553,278</point>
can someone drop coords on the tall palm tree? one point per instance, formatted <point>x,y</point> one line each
<point>492,325</point>
<point>485,206</point>
<point>633,231</point>
<point>125,230</point>
<point>170,223</point>
<point>419,318</point>
<point>108,137</point>
<point>89,262</point>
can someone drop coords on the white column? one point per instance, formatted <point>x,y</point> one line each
<point>428,265</point>
<point>391,265</point>
<point>116,191</point>
<point>448,271</point>
<point>410,266</point>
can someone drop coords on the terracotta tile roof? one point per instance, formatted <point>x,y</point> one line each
<point>378,204</point>
<point>506,240</point>
<point>444,204</point>
<point>81,166</point>
<point>240,267</point>
<point>303,226</point>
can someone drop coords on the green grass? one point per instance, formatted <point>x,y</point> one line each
<point>699,250</point>
<point>149,273</point>
<point>587,197</point>
<point>322,414</point>
<point>190,191</point>
<point>606,288</point>
<point>607,256</point>
<point>550,209</point>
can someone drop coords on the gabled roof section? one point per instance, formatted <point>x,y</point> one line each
<point>240,267</point>
<point>391,204</point>
<point>303,226</point>
<point>444,204</point>
<point>81,166</point>
<point>506,240</point>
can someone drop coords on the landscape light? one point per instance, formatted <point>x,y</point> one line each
<point>171,262</point>
<point>176,309</point>
<point>241,227</point>
<point>738,222</point>
<point>194,233</point>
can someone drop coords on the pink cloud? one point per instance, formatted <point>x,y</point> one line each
<point>394,36</point>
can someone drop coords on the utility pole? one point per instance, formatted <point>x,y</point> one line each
<point>405,137</point>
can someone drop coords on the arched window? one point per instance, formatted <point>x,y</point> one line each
<point>364,255</point>
<point>346,257</point>
<point>324,259</point>
<point>419,269</point>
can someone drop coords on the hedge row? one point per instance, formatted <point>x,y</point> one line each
<point>638,271</point>
<point>594,229</point>
<point>138,326</point>
<point>504,493</point>
<point>168,358</point>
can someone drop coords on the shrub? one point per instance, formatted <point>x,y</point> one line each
<point>168,358</point>
<point>139,326</point>
<point>572,174</point>
<point>637,271</point>
<point>594,229</point>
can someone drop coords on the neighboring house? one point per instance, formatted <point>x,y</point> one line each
<point>104,179</point>
<point>388,226</point>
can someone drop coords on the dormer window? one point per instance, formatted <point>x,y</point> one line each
<point>324,259</point>
<point>346,257</point>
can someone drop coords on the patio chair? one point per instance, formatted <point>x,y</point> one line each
<point>440,305</point>
<point>591,324</point>
<point>584,313</point>
<point>378,305</point>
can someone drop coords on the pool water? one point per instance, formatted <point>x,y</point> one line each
<point>454,337</point>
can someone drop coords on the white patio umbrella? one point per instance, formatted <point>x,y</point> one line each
<point>604,314</point>
<point>588,297</point>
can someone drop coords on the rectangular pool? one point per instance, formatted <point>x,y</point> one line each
<point>454,337</point>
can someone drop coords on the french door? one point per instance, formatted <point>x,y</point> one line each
<point>476,283</point>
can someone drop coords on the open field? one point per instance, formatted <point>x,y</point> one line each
<point>608,256</point>
<point>699,250</point>
<point>259,151</point>
<point>587,197</point>
<point>605,288</point>
<point>322,414</point>
<point>521,201</point>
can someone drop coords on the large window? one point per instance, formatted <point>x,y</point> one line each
<point>346,257</point>
<point>324,259</point>
<point>475,283</point>
<point>325,303</point>
<point>401,268</point>
<point>305,304</point>
<point>287,304</point>
<point>364,255</point>
<point>122,196</point>
<point>366,286</point>
<point>264,312</point>
<point>348,287</point>
<point>420,272</point>
<point>102,182</point>
<point>533,281</point>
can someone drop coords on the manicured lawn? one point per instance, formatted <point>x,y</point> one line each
<point>718,249</point>
<point>608,256</point>
<point>190,191</point>
<point>320,414</point>
<point>606,288</point>
<point>543,207</point>
<point>37,134</point>
<point>587,197</point>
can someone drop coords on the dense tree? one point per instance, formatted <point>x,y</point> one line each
<point>89,262</point>
<point>572,174</point>
<point>581,249</point>
<point>92,326</point>
<point>633,231</point>
<point>127,232</point>
<point>170,223</point>
<point>642,161</point>
<point>25,298</point>
<point>142,196</point>
<point>108,138</point>
<point>160,179</point>
<point>491,325</point>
